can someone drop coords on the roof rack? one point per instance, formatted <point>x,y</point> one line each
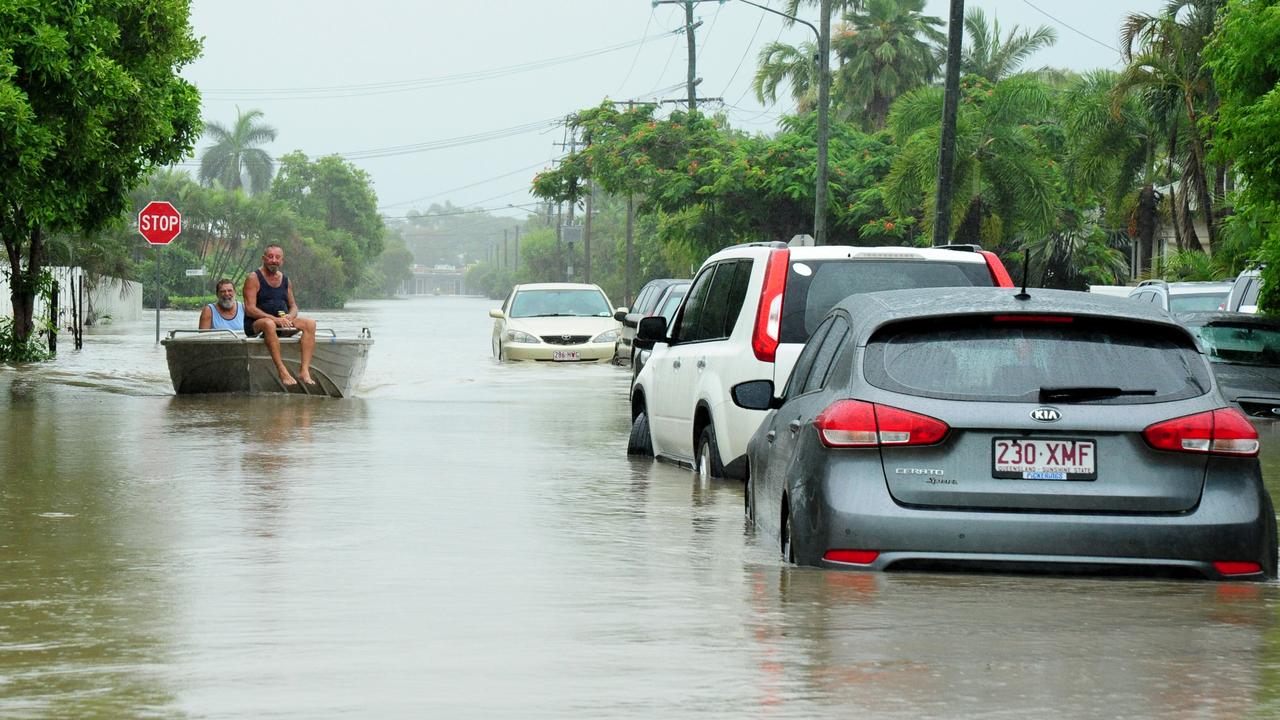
<point>768,244</point>
<point>962,247</point>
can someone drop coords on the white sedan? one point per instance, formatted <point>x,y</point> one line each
<point>556,322</point>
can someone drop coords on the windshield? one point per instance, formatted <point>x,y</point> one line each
<point>980,359</point>
<point>559,303</point>
<point>668,309</point>
<point>1241,343</point>
<point>1199,302</point>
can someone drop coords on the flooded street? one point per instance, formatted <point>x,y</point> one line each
<point>470,539</point>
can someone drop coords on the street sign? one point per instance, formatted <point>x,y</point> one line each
<point>195,272</point>
<point>159,222</point>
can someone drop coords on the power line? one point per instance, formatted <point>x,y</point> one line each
<point>707,36</point>
<point>743,59</point>
<point>465,187</point>
<point>637,56</point>
<point>1072,29</point>
<point>399,86</point>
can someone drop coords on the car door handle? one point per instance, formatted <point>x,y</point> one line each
<point>675,363</point>
<point>769,436</point>
<point>701,363</point>
<point>794,426</point>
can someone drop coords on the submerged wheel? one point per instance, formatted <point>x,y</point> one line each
<point>788,544</point>
<point>639,443</point>
<point>748,498</point>
<point>708,454</point>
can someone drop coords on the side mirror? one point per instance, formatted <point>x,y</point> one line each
<point>620,311</point>
<point>620,314</point>
<point>755,395</point>
<point>497,314</point>
<point>650,330</point>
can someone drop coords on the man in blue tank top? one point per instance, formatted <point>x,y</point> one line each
<point>227,313</point>
<point>271,312</point>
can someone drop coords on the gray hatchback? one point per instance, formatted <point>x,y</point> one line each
<point>971,428</point>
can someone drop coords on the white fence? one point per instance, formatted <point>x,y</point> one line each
<point>106,299</point>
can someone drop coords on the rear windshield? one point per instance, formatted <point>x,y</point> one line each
<point>815,286</point>
<point>983,359</point>
<point>1197,302</point>
<point>1240,343</point>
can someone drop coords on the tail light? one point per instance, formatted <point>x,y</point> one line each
<point>764,339</point>
<point>999,275</point>
<point>858,424</point>
<point>853,557</point>
<point>1233,567</point>
<point>1225,431</point>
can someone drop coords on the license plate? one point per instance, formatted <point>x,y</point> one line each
<point>565,355</point>
<point>1044,459</point>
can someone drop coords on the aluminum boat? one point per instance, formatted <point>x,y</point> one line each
<point>221,361</point>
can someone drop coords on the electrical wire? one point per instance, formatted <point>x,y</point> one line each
<point>745,52</point>
<point>637,56</point>
<point>1072,29</point>
<point>707,37</point>
<point>468,186</point>
<point>400,86</point>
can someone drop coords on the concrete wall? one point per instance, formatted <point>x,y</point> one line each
<point>106,299</point>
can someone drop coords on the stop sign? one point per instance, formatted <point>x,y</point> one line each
<point>159,222</point>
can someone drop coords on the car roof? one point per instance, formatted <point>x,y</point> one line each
<point>870,311</point>
<point>839,252</point>
<point>557,286</point>
<point>1187,288</point>
<point>663,282</point>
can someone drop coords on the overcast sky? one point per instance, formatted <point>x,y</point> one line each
<point>456,100</point>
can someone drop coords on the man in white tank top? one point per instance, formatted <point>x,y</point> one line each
<point>227,313</point>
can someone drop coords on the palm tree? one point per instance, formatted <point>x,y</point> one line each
<point>1163,53</point>
<point>779,63</point>
<point>885,49</point>
<point>1005,184</point>
<point>233,160</point>
<point>992,57</point>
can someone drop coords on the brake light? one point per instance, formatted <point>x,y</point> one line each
<point>999,275</point>
<point>1231,567</point>
<point>1225,431</point>
<point>1033,318</point>
<point>764,338</point>
<point>859,424</point>
<point>853,557</point>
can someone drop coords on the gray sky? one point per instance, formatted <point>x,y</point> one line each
<point>455,101</point>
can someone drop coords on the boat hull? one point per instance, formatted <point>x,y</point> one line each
<point>221,362</point>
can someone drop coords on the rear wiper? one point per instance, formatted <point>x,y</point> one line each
<point>1088,392</point>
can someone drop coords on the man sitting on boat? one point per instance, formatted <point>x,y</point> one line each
<point>227,313</point>
<point>271,312</point>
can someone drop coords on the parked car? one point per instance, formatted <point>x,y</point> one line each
<point>668,304</point>
<point>1179,297</point>
<point>1244,352</point>
<point>945,429</point>
<point>1243,297</point>
<point>645,305</point>
<point>747,314</point>
<point>555,322</point>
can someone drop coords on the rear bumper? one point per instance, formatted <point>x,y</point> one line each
<point>588,352</point>
<point>1229,524</point>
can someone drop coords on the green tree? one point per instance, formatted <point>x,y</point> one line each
<point>993,57</point>
<point>90,102</point>
<point>1006,179</point>
<point>780,63</point>
<point>885,49</point>
<point>232,160</point>
<point>1246,71</point>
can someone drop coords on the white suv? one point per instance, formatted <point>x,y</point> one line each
<point>746,317</point>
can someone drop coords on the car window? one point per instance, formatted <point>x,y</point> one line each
<point>982,359</point>
<point>691,314</point>
<point>724,298</point>
<point>1143,296</point>
<point>576,302</point>
<point>1241,343</point>
<point>1251,292</point>
<point>815,286</point>
<point>835,340</point>
<point>643,301</point>
<point>672,302</point>
<point>1207,302</point>
<point>804,363</point>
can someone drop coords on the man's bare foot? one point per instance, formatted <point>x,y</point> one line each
<point>306,378</point>
<point>287,380</point>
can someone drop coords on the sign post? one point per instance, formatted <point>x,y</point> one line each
<point>159,222</point>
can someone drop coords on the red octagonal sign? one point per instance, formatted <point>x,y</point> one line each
<point>159,222</point>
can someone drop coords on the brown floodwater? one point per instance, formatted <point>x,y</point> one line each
<point>469,539</point>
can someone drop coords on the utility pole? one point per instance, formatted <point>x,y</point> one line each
<point>572,144</point>
<point>693,55</point>
<point>947,144</point>
<point>626,279</point>
<point>824,130</point>
<point>586,235</point>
